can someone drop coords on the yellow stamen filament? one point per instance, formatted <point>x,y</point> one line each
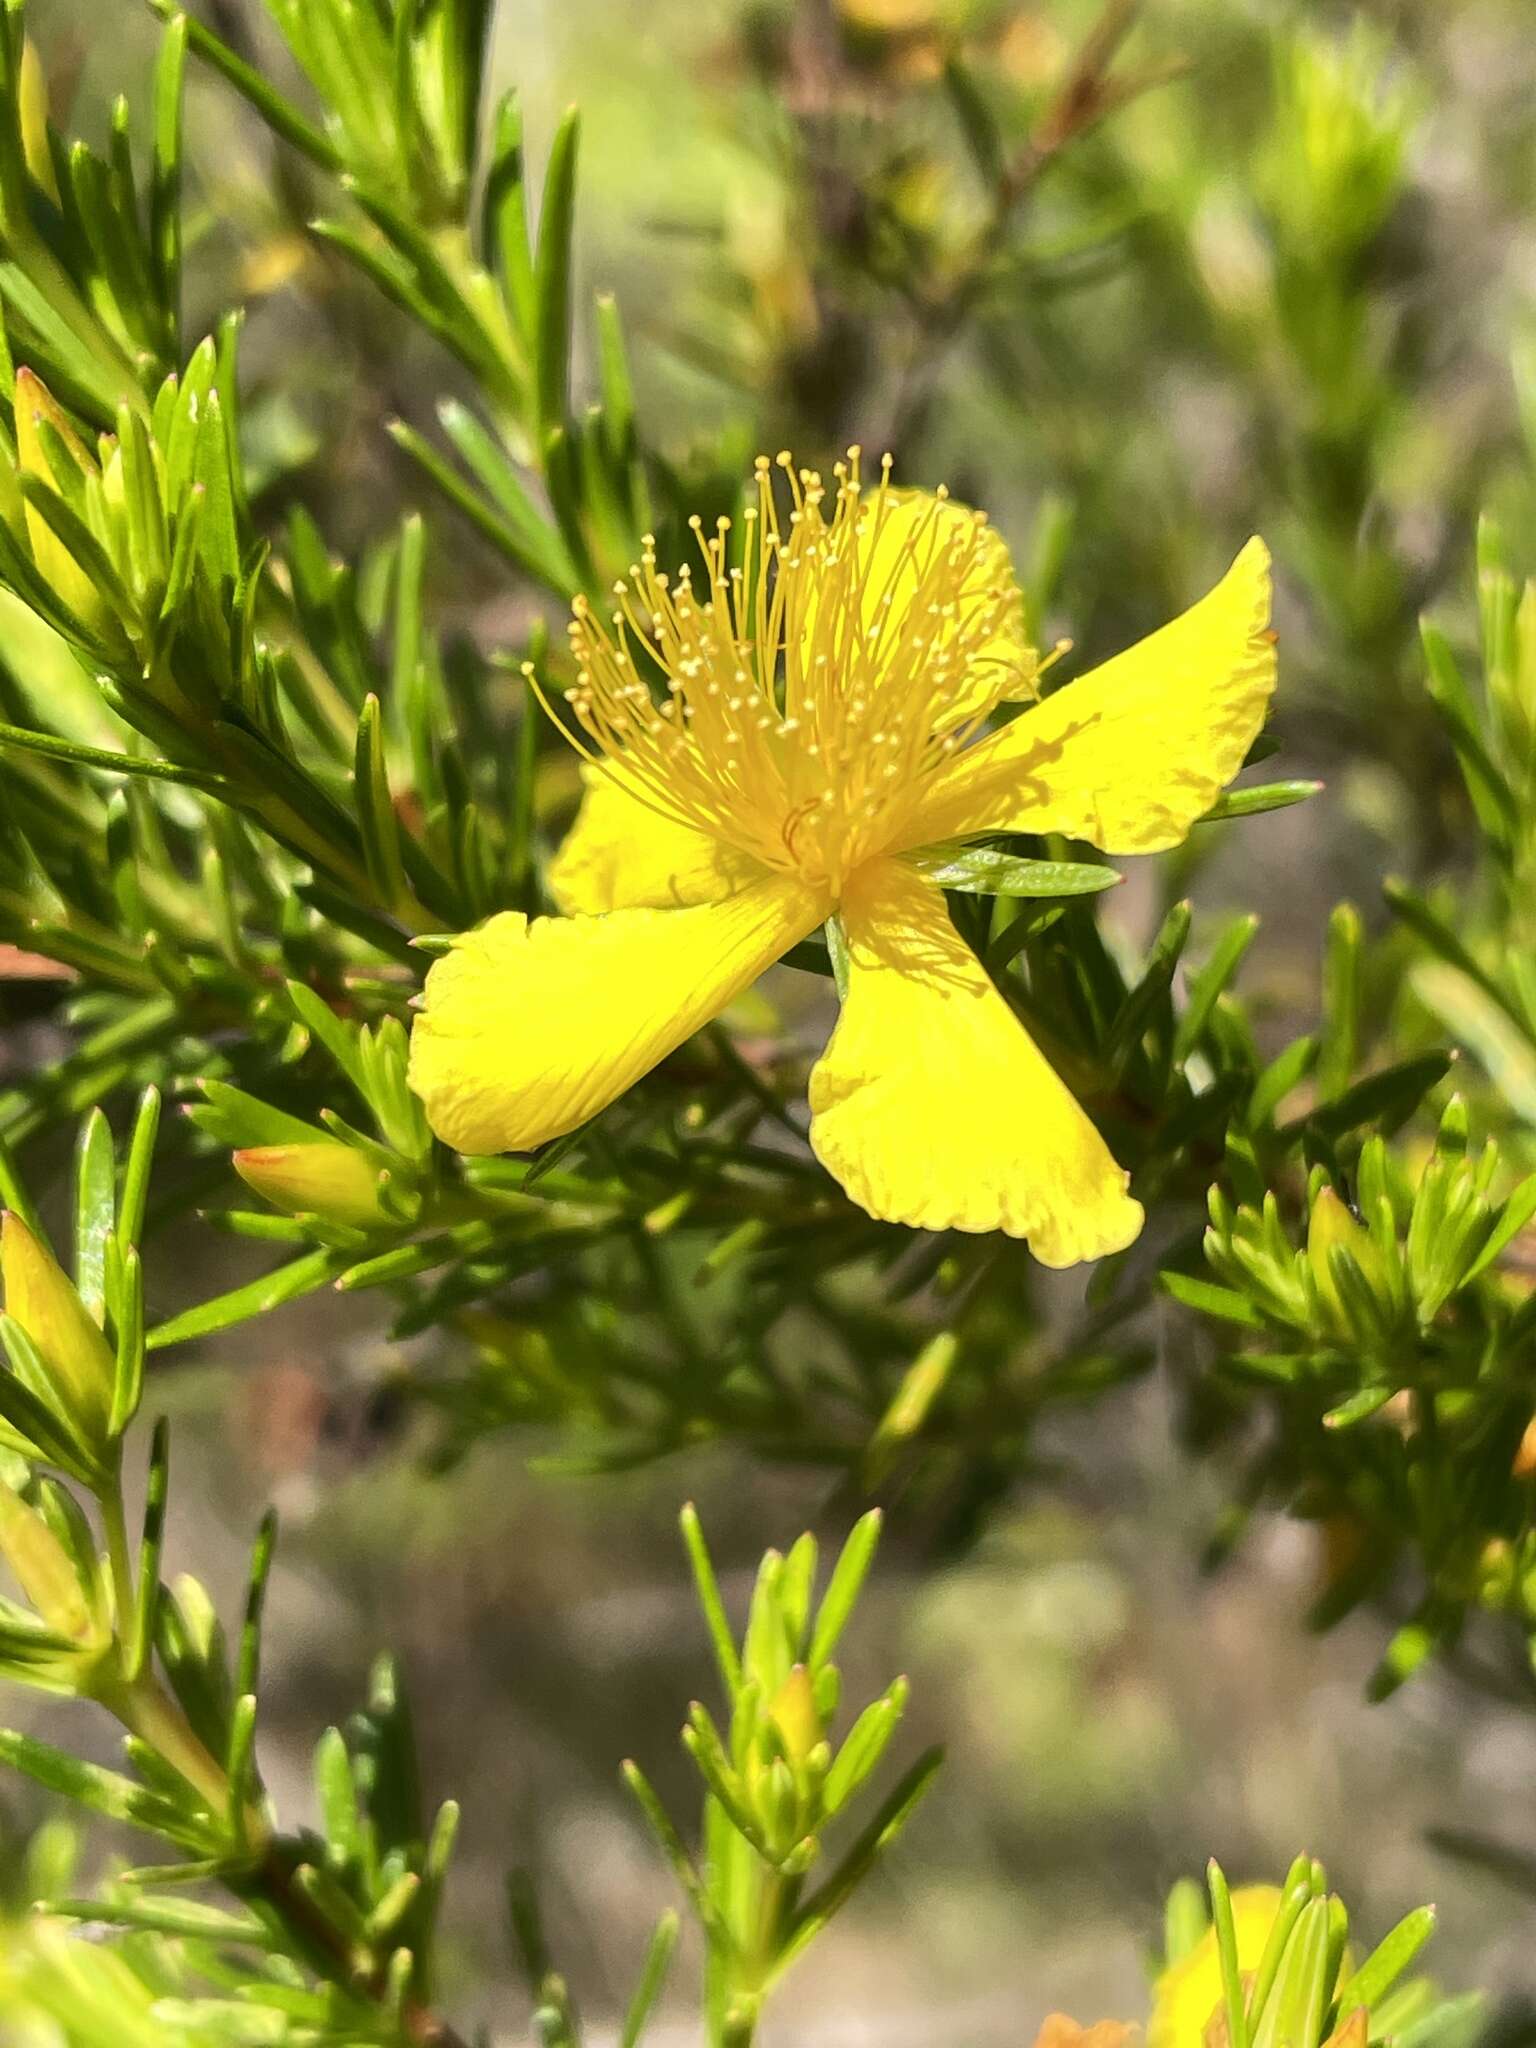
<point>793,696</point>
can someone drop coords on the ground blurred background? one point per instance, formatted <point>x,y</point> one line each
<point>1112,1716</point>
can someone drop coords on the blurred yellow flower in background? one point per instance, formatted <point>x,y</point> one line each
<point>1189,1992</point>
<point>771,746</point>
<point>1059,2031</point>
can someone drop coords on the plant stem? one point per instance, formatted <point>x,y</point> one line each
<point>331,1952</point>
<point>148,1711</point>
<point>115,1527</point>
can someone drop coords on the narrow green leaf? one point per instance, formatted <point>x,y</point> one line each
<point>653,1975</point>
<point>1387,1961</point>
<point>670,1843</point>
<point>981,870</point>
<point>236,1119</point>
<point>921,1385</point>
<point>300,1276</point>
<point>1485,1028</point>
<point>337,1795</point>
<point>1359,1407</point>
<point>1446,944</point>
<point>184,1919</point>
<point>505,220</point>
<point>976,122</point>
<point>35,1421</point>
<point>1516,1214</point>
<point>146,1614</point>
<point>1263,796</point>
<point>248,1657</point>
<point>707,1588</point>
<point>376,819</point>
<point>1186,1917</point>
<point>844,1587</point>
<point>73,751</point>
<point>1285,1072</point>
<point>95,1211</point>
<point>552,276</point>
<point>1410,1647</point>
<point>1498,812</point>
<point>1342,969</point>
<point>1233,2000</point>
<point>1150,995</point>
<point>1211,1300</point>
<point>491,466</point>
<point>1387,1098</point>
<point>102,1791</point>
<point>494,528</point>
<point>864,1745</point>
<point>1294,1896</point>
<point>128,1362</point>
<point>876,1839</point>
<point>279,113</point>
<point>614,382</point>
<point>410,571</point>
<point>141,1148</point>
<point>165,181</point>
<point>1208,984</point>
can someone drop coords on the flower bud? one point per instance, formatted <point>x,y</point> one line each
<point>36,407</point>
<point>42,1567</point>
<point>41,1297</point>
<point>778,1803</point>
<point>793,1713</point>
<point>1331,1224</point>
<point>326,1179</point>
<point>32,105</point>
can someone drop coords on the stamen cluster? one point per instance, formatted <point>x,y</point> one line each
<point>794,700</point>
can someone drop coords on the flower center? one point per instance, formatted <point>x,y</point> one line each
<point>795,699</point>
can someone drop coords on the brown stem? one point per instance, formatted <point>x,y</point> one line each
<point>1087,95</point>
<point>149,1711</point>
<point>274,1879</point>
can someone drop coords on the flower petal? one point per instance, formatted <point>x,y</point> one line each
<point>933,1106</point>
<point>1132,754</point>
<point>530,1028</point>
<point>622,855</point>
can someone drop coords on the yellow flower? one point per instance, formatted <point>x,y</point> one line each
<point>1189,1992</point>
<point>824,688</point>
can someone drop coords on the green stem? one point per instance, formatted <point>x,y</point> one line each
<point>148,1711</point>
<point>114,1523</point>
<point>483,303</point>
<point>329,1949</point>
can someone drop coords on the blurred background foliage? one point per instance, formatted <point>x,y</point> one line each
<point>1139,281</point>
